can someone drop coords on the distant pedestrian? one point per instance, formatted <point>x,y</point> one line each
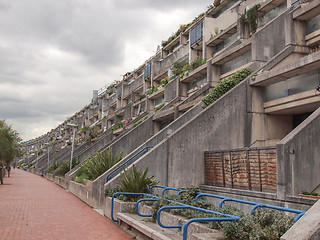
<point>9,169</point>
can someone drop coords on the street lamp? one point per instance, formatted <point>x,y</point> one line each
<point>48,144</point>
<point>74,133</point>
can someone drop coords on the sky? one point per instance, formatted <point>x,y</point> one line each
<point>53,54</point>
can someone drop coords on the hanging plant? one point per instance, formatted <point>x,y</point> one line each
<point>216,3</point>
<point>251,17</point>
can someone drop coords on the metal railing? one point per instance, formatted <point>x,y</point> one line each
<point>128,162</point>
<point>221,216</point>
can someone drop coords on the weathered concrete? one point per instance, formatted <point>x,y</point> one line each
<point>225,124</point>
<point>307,228</point>
<point>60,181</point>
<point>84,192</point>
<point>298,158</point>
<point>273,38</point>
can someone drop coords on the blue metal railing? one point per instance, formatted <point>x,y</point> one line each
<point>221,216</point>
<point>128,162</point>
<point>255,204</point>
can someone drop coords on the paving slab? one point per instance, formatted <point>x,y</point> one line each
<point>32,207</point>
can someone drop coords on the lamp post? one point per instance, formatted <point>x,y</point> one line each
<point>74,133</point>
<point>48,144</point>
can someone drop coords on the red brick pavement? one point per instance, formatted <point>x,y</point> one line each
<point>32,207</point>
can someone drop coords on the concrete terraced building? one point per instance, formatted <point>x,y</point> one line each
<point>259,141</point>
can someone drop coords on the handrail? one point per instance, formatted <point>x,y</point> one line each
<point>132,159</point>
<point>164,189</point>
<point>255,204</point>
<point>225,217</point>
<point>222,216</point>
<point>144,200</point>
<point>126,193</point>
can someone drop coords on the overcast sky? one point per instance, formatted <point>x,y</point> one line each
<point>53,54</point>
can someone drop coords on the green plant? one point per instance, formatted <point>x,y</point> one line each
<point>263,224</point>
<point>136,181</point>
<point>85,129</point>
<point>177,68</point>
<point>216,30</point>
<point>96,165</point>
<point>118,125</point>
<point>64,167</point>
<point>310,193</point>
<point>224,86</point>
<point>159,107</point>
<point>153,90</point>
<point>164,81</point>
<point>251,17</point>
<point>54,166</point>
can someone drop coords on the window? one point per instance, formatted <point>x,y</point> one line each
<point>197,83</point>
<point>196,34</point>
<point>159,100</point>
<point>147,70</point>
<point>236,63</point>
<point>227,42</point>
<point>313,24</point>
<point>272,14</point>
<point>291,86</point>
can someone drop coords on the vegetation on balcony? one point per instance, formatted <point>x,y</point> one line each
<point>152,90</point>
<point>224,86</point>
<point>158,107</point>
<point>118,125</point>
<point>95,165</point>
<point>140,121</point>
<point>181,29</point>
<point>251,17</point>
<point>181,69</point>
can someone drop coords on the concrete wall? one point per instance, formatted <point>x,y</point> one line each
<point>171,90</point>
<point>298,157</point>
<point>273,38</point>
<point>81,191</point>
<point>60,181</point>
<point>178,160</point>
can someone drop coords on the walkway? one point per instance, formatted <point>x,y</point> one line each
<point>32,207</point>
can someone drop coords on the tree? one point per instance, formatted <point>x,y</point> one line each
<point>9,144</point>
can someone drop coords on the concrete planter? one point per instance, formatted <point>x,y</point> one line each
<point>60,181</point>
<point>50,177</point>
<point>119,207</point>
<point>84,192</point>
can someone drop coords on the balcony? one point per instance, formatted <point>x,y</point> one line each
<point>222,36</point>
<point>198,72</point>
<point>298,67</point>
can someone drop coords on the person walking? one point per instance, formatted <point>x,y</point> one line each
<point>9,169</point>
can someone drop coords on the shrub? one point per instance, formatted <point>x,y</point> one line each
<point>54,166</point>
<point>118,125</point>
<point>100,163</point>
<point>225,85</point>
<point>263,224</point>
<point>137,181</point>
<point>64,167</point>
<point>159,107</point>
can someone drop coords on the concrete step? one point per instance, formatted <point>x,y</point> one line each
<point>143,228</point>
<point>149,229</point>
